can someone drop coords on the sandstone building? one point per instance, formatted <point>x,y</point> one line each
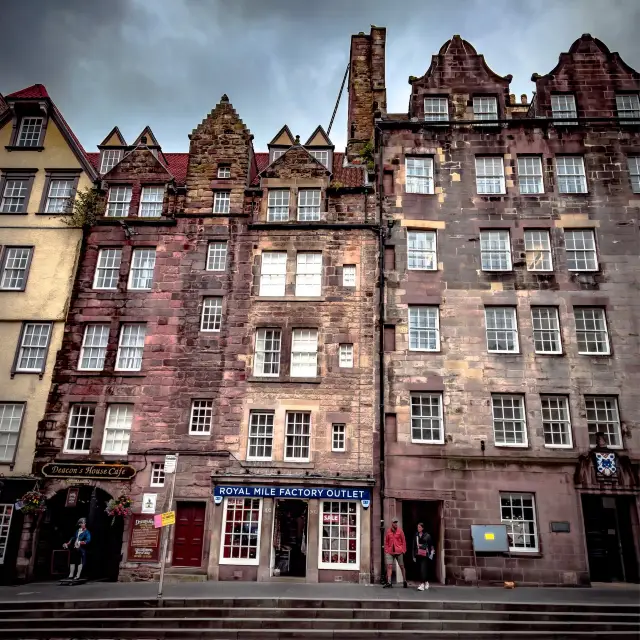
<point>42,166</point>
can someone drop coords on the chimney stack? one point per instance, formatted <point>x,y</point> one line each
<point>523,99</point>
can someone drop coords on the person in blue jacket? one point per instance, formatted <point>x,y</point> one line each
<point>78,543</point>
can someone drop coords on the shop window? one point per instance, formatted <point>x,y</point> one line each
<point>340,542</point>
<point>241,531</point>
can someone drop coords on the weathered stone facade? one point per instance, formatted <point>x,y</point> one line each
<point>462,481</point>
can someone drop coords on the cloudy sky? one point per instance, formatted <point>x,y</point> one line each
<point>167,62</point>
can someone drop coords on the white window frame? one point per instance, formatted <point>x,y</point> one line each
<point>222,202</point>
<point>98,331</point>
<point>563,108</point>
<point>485,108</point>
<point>211,315</point>
<point>89,415</point>
<point>424,327</point>
<point>272,337</point>
<point>201,417</point>
<point>633,162</point>
<point>109,158</point>
<point>490,175</point>
<point>139,348</point>
<point>278,153</point>
<point>26,348</point>
<point>336,565</point>
<point>611,422</point>
<point>113,258</point>
<point>308,274</point>
<point>339,437</point>
<point>530,175</point>
<point>278,205</point>
<point>490,317</point>
<point>321,155</point>
<point>5,528</point>
<point>119,201</point>
<point>14,195</point>
<point>537,246</point>
<point>158,476</point>
<point>345,356</point>
<point>348,275</point>
<point>495,243</point>
<point>422,252</point>
<point>258,526</point>
<point>217,256</point>
<point>628,107</point>
<point>143,263</point>
<point>59,196</point>
<point>297,436</point>
<point>14,268</point>
<point>570,175</point>
<point>114,423</point>
<point>224,171</point>
<point>29,126</point>
<point>273,274</point>
<point>545,325</point>
<point>419,175</point>
<point>580,246</point>
<point>581,328</point>
<point>151,201</point>
<point>429,416</point>
<point>512,522</point>
<point>436,109</point>
<point>11,418</point>
<point>304,348</point>
<point>495,420</point>
<point>309,204</point>
<point>261,434</point>
<point>556,421</point>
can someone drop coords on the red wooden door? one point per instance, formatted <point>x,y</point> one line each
<point>189,534</point>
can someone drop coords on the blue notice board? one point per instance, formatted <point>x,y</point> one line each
<point>489,538</point>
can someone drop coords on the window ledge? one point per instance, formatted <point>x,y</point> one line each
<point>290,298</point>
<point>151,222</point>
<point>14,147</point>
<point>526,554</point>
<point>14,213</point>
<point>284,379</point>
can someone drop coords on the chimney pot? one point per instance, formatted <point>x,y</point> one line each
<point>523,98</point>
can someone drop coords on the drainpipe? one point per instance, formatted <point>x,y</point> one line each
<point>381,369</point>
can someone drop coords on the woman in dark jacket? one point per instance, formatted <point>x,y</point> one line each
<point>423,551</point>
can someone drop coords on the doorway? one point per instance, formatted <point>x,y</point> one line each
<point>290,538</point>
<point>608,525</point>
<point>189,534</point>
<point>60,522</point>
<point>429,513</point>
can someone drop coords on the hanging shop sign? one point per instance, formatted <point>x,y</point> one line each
<point>72,497</point>
<point>99,471</point>
<point>144,539</point>
<point>313,493</point>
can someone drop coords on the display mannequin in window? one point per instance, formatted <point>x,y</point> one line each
<point>78,545</point>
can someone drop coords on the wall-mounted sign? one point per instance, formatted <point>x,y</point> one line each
<point>98,471</point>
<point>560,527</point>
<point>149,502</point>
<point>164,519</point>
<point>144,539</point>
<point>489,538</point>
<point>170,462</point>
<point>313,493</point>
<point>72,496</point>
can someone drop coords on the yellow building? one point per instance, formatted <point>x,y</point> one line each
<point>42,166</point>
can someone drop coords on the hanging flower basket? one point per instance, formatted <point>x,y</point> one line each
<point>32,502</point>
<point>120,506</point>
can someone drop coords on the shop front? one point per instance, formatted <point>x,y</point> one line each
<point>303,533</point>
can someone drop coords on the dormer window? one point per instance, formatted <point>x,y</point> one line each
<point>109,159</point>
<point>485,108</point>
<point>321,155</point>
<point>436,109</point>
<point>30,132</point>
<point>118,203</point>
<point>309,205</point>
<point>276,153</point>
<point>151,202</point>
<point>629,108</point>
<point>224,171</point>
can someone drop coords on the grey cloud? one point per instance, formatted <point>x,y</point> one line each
<point>166,63</point>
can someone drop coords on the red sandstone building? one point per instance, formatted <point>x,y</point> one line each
<point>510,319</point>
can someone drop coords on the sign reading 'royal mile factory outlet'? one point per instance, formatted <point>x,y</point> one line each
<point>317,493</point>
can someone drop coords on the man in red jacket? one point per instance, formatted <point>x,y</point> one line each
<point>395,545</point>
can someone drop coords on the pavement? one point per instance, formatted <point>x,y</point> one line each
<point>105,591</point>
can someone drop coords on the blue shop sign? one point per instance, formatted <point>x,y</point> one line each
<point>313,493</point>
